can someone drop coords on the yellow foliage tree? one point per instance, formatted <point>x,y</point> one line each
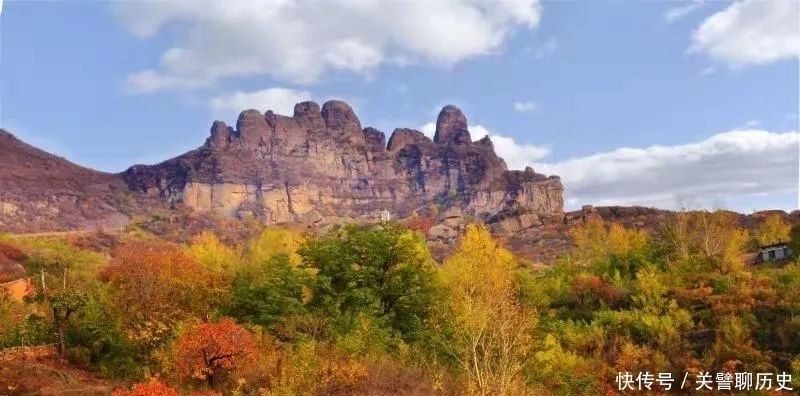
<point>207,249</point>
<point>593,242</point>
<point>713,237</point>
<point>218,260</point>
<point>773,230</point>
<point>589,240</point>
<point>274,241</point>
<point>623,241</point>
<point>482,325</point>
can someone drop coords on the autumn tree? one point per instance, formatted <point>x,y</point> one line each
<point>12,252</point>
<point>153,387</point>
<point>612,248</point>
<point>420,224</point>
<point>774,229</point>
<point>589,241</point>
<point>219,263</point>
<point>206,351</point>
<point>156,284</point>
<point>674,236</point>
<point>482,326</point>
<point>212,254</point>
<point>794,241</point>
<point>713,239</point>
<point>61,275</point>
<point>273,241</point>
<point>158,280</point>
<point>721,240</point>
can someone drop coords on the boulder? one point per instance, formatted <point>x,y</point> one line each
<point>441,231</point>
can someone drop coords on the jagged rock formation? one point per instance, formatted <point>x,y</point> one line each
<point>321,163</point>
<point>318,167</point>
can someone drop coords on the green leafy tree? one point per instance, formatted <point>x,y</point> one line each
<point>57,289</point>
<point>271,297</point>
<point>386,273</point>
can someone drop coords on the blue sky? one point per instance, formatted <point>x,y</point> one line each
<point>631,102</point>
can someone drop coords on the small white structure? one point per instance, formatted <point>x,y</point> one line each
<point>778,251</point>
<point>385,215</point>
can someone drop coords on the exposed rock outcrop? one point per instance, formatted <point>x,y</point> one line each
<point>321,159</point>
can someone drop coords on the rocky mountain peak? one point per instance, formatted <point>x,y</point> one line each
<point>307,109</point>
<point>402,137</point>
<point>251,126</point>
<point>451,127</point>
<point>321,160</point>
<point>340,118</point>
<point>307,114</point>
<point>220,133</point>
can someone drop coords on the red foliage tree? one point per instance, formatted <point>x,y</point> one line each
<point>158,279</point>
<point>593,288</point>
<point>153,387</point>
<point>12,252</point>
<point>420,224</point>
<point>207,350</point>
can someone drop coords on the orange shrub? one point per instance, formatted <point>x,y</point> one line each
<point>153,387</point>
<point>342,376</point>
<point>420,224</point>
<point>159,279</point>
<point>12,252</point>
<point>593,286</point>
<point>207,350</point>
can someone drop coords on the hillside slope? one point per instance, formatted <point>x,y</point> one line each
<point>42,192</point>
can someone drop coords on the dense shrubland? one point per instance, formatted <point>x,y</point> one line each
<point>367,311</point>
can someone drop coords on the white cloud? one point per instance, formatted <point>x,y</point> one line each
<point>525,106</point>
<point>299,40</point>
<point>724,167</point>
<point>150,80</point>
<point>279,100</point>
<point>675,13</point>
<point>516,155</point>
<point>727,165</point>
<point>750,32</point>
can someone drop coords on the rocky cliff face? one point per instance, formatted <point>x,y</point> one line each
<point>322,163</point>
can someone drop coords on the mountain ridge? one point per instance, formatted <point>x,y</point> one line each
<point>321,162</point>
<point>319,165</point>
<point>316,168</point>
